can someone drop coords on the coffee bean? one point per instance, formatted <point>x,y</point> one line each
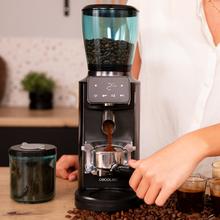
<point>107,51</point>
<point>145,212</point>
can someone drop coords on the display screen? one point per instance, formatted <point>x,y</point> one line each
<point>114,90</point>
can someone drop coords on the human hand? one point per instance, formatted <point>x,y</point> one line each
<point>158,176</point>
<point>67,167</point>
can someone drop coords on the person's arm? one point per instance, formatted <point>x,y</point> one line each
<point>67,167</point>
<point>158,176</point>
<point>136,64</point>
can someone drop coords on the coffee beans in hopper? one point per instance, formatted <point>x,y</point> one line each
<point>145,212</point>
<point>108,52</point>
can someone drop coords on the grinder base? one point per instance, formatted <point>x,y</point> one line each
<point>106,200</point>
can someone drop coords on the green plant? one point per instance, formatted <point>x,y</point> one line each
<point>38,82</point>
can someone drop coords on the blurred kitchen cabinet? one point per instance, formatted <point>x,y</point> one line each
<point>65,139</point>
<point>58,126</point>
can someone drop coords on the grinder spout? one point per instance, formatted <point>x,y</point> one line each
<point>108,122</point>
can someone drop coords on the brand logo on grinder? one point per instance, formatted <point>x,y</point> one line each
<point>107,179</point>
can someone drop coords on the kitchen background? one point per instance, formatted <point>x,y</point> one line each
<point>37,36</point>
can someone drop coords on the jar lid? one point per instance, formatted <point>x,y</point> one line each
<point>32,150</point>
<point>110,10</point>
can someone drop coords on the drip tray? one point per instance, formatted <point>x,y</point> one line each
<point>109,194</point>
<point>106,200</point>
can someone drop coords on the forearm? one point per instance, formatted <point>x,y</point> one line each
<point>205,141</point>
<point>136,64</point>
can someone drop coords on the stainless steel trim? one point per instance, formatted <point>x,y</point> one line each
<point>108,116</point>
<point>101,163</point>
<point>105,160</point>
<point>110,73</point>
<point>89,157</point>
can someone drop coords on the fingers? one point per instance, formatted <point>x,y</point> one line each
<point>164,194</point>
<point>152,193</point>
<point>136,176</point>
<point>65,164</point>
<point>62,173</point>
<point>147,185</point>
<point>70,160</point>
<point>135,179</point>
<point>142,188</point>
<point>134,163</point>
<point>73,176</point>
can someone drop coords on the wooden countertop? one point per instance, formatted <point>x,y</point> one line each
<point>55,209</point>
<point>23,117</point>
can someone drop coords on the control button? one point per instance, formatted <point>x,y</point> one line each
<point>104,95</point>
<point>110,86</point>
<point>95,95</point>
<point>122,95</point>
<point>113,95</point>
<point>96,85</point>
<point>122,85</point>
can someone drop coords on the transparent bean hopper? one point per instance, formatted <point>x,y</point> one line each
<point>109,109</point>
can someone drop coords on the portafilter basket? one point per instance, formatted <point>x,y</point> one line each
<point>106,159</point>
<point>97,159</point>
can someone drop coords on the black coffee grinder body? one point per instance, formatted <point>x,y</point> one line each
<point>108,96</point>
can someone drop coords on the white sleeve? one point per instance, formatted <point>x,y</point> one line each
<point>134,3</point>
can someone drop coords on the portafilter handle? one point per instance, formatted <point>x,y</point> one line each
<point>122,170</point>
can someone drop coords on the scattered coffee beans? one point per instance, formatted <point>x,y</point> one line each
<point>108,52</point>
<point>145,212</point>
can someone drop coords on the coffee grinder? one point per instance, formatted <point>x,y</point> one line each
<point>109,109</point>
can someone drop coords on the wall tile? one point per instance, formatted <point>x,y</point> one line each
<point>62,59</point>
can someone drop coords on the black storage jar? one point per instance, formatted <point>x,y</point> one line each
<point>32,172</point>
